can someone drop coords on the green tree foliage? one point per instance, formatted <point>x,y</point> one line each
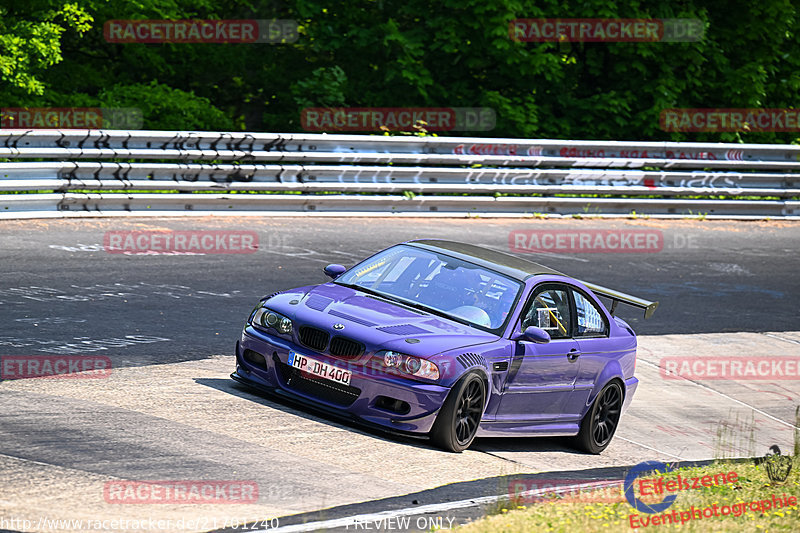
<point>392,53</point>
<point>30,41</point>
<point>165,107</point>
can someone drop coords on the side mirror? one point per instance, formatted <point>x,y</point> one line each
<point>534,334</point>
<point>334,271</point>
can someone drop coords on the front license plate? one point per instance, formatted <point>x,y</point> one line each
<point>319,369</point>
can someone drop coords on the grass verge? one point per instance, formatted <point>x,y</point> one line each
<point>586,512</point>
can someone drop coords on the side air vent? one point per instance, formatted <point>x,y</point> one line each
<point>403,329</point>
<point>471,359</point>
<point>255,358</point>
<point>351,318</point>
<point>317,302</point>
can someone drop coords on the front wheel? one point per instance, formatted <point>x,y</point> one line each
<point>459,417</point>
<point>600,423</point>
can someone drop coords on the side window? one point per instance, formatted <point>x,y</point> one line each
<point>549,310</point>
<point>589,319</point>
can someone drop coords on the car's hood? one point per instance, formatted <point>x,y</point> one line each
<point>378,323</point>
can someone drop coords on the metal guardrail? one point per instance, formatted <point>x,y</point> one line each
<point>192,177</point>
<point>272,142</point>
<point>373,175</point>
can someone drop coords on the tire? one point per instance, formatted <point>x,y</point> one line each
<point>601,421</point>
<point>457,423</point>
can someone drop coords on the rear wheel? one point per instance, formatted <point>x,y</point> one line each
<point>600,423</point>
<point>459,417</point>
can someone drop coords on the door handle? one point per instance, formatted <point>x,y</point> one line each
<point>573,354</point>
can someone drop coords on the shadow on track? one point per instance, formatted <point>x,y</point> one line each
<point>286,405</point>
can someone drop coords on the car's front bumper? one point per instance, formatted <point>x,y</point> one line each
<point>362,400</point>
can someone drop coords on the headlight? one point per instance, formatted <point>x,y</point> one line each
<point>392,359</point>
<point>412,365</point>
<point>266,318</point>
<point>407,364</point>
<point>285,325</point>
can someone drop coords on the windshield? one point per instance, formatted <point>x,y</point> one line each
<point>455,288</point>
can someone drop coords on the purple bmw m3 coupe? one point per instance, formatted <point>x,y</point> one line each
<point>451,341</point>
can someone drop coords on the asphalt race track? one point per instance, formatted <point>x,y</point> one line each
<point>169,411</point>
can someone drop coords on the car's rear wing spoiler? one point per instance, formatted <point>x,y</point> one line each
<point>617,297</point>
